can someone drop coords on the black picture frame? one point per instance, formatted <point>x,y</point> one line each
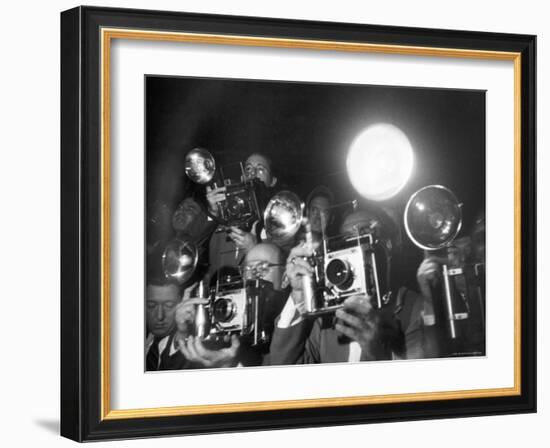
<point>81,224</point>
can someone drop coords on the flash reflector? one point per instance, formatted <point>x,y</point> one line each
<point>380,161</point>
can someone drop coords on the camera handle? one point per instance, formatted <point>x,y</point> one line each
<point>452,316</point>
<point>202,320</point>
<point>256,323</point>
<point>309,283</point>
<point>448,301</point>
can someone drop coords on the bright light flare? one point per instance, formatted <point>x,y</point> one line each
<point>380,161</point>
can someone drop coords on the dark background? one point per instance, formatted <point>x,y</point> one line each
<point>307,129</point>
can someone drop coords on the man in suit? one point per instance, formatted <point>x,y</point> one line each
<point>161,352</point>
<point>168,345</point>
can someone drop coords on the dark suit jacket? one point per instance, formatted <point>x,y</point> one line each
<point>176,361</point>
<point>311,342</point>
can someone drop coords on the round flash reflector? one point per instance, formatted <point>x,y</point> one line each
<point>380,161</point>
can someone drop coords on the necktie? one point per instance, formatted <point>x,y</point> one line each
<point>153,356</point>
<point>164,362</point>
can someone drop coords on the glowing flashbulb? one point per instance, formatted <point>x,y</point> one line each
<point>380,161</point>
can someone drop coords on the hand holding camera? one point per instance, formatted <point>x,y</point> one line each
<point>298,266</point>
<point>358,320</point>
<point>214,196</point>
<point>185,317</point>
<point>243,240</point>
<point>429,274</point>
<point>192,347</point>
<point>194,351</point>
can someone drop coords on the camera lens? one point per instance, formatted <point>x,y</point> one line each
<point>235,206</point>
<point>224,310</point>
<point>339,273</point>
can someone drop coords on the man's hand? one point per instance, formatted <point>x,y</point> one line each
<point>359,321</point>
<point>243,240</point>
<point>185,316</point>
<point>297,267</point>
<point>194,351</point>
<point>188,291</point>
<point>214,196</point>
<point>428,274</point>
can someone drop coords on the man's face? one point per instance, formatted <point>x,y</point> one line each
<point>263,262</point>
<point>189,218</point>
<point>257,166</point>
<point>160,308</point>
<point>190,207</point>
<point>319,213</point>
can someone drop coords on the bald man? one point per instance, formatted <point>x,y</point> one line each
<point>264,263</point>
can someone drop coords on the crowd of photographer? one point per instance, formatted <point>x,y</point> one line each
<point>248,295</point>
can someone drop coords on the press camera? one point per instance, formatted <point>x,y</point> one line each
<point>247,309</point>
<point>242,205</point>
<point>244,196</point>
<point>347,265</point>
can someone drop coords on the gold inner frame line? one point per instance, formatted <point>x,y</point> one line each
<point>107,35</point>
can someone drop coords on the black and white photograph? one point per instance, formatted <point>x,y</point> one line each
<point>275,223</point>
<point>297,223</point>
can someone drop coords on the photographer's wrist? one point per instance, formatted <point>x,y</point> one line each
<point>290,315</point>
<point>374,350</point>
<point>213,216</point>
<point>213,210</point>
<point>232,362</point>
<point>297,296</point>
<point>367,354</point>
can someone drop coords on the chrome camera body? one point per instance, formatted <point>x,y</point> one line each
<point>348,267</point>
<point>242,205</point>
<point>229,309</point>
<point>345,271</point>
<point>236,308</point>
<point>244,198</point>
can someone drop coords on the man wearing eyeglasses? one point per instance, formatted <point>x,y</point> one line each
<point>264,263</point>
